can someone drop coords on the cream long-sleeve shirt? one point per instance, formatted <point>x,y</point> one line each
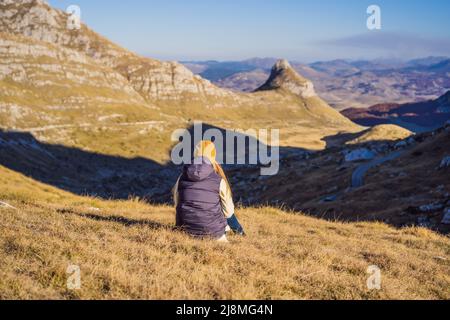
<point>226,198</point>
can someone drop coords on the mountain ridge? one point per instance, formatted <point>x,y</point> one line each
<point>348,83</point>
<point>167,82</point>
<point>152,78</point>
<point>167,95</point>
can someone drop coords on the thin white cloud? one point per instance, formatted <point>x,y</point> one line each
<point>391,44</point>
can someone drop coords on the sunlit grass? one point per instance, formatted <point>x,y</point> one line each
<point>129,250</point>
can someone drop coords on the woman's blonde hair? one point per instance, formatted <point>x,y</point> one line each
<point>207,149</point>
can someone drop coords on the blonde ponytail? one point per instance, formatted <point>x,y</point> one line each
<point>207,149</point>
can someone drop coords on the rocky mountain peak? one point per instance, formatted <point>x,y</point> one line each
<point>282,64</point>
<point>283,76</point>
<point>151,78</point>
<point>34,19</point>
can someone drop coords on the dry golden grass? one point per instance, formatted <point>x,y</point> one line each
<point>384,132</point>
<point>129,250</point>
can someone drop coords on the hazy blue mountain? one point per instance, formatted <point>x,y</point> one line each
<point>343,83</point>
<point>416,116</point>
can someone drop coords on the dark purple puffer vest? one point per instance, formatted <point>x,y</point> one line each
<point>199,211</point>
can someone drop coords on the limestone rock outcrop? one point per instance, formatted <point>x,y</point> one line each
<point>153,79</point>
<point>283,76</point>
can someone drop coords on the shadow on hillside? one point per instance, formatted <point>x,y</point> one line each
<point>109,177</point>
<point>127,222</point>
<point>83,172</point>
<point>340,139</point>
<point>308,181</point>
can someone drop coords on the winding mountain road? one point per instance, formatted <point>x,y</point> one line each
<point>360,172</point>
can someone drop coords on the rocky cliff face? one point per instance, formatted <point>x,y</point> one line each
<point>43,84</point>
<point>283,76</point>
<point>152,79</point>
<point>166,80</point>
<point>39,64</point>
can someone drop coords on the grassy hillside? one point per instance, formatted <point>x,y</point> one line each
<point>320,183</point>
<point>386,132</point>
<point>82,114</point>
<point>129,249</point>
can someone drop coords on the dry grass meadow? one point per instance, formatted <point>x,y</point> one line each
<point>129,250</point>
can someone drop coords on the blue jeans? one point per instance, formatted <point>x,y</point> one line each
<point>234,225</point>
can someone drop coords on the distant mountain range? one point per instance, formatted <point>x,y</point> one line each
<point>342,83</point>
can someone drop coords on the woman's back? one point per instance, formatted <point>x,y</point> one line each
<point>199,209</point>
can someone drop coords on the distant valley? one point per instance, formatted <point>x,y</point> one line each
<point>343,84</point>
<point>415,116</point>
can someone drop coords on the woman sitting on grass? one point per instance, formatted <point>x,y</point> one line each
<point>203,197</point>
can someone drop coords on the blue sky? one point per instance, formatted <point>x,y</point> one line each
<point>294,29</point>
